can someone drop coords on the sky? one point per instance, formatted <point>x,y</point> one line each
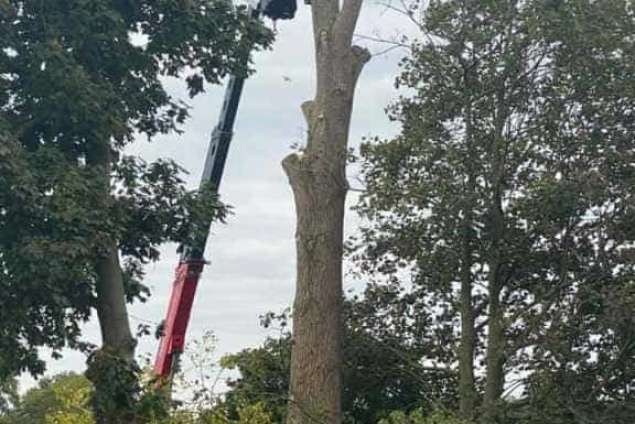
<point>252,256</point>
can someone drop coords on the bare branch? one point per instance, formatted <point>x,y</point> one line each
<point>361,57</point>
<point>392,44</point>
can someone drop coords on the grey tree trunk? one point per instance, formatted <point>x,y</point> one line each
<point>111,305</point>
<point>318,180</point>
<point>113,402</point>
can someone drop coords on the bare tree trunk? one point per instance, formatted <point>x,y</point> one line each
<point>318,179</point>
<point>111,306</point>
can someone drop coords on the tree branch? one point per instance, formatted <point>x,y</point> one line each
<point>347,21</point>
<point>307,111</point>
<point>361,57</point>
<point>325,13</point>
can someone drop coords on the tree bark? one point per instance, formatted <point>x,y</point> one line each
<point>495,357</point>
<point>467,388</point>
<point>113,401</point>
<point>495,360</point>
<point>111,306</point>
<point>112,311</point>
<point>318,180</point>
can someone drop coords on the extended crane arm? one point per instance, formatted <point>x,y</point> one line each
<point>191,262</point>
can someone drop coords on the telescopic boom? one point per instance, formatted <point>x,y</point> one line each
<point>191,262</point>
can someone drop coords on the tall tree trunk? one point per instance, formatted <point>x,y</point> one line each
<point>495,357</point>
<point>467,388</point>
<point>114,400</point>
<point>318,179</point>
<point>111,306</point>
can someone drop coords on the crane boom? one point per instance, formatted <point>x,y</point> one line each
<point>192,262</point>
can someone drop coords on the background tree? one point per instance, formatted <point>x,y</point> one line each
<point>381,369</point>
<point>63,399</point>
<point>9,396</point>
<point>79,219</point>
<point>318,179</point>
<point>503,197</point>
<point>419,417</point>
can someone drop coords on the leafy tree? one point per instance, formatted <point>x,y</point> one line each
<point>9,396</point>
<point>585,369</point>
<point>506,194</point>
<point>381,371</point>
<point>79,81</point>
<point>247,414</point>
<point>264,377</point>
<point>418,417</point>
<point>64,399</point>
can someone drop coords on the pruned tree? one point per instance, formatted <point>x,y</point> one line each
<point>318,179</point>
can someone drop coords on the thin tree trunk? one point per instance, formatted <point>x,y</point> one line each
<point>467,388</point>
<point>113,400</point>
<point>495,357</point>
<point>495,361</point>
<point>318,179</point>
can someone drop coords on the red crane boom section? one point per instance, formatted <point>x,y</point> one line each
<point>188,272</point>
<point>187,276</point>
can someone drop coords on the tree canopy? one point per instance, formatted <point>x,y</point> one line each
<point>79,80</point>
<point>497,237</point>
<point>63,399</point>
<point>504,206</point>
<point>382,372</point>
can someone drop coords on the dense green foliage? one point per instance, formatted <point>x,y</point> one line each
<point>9,395</point>
<point>79,80</point>
<point>499,223</point>
<point>381,370</point>
<point>419,417</point>
<point>63,399</point>
<point>504,208</point>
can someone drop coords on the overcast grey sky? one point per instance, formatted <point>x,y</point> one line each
<point>252,257</point>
